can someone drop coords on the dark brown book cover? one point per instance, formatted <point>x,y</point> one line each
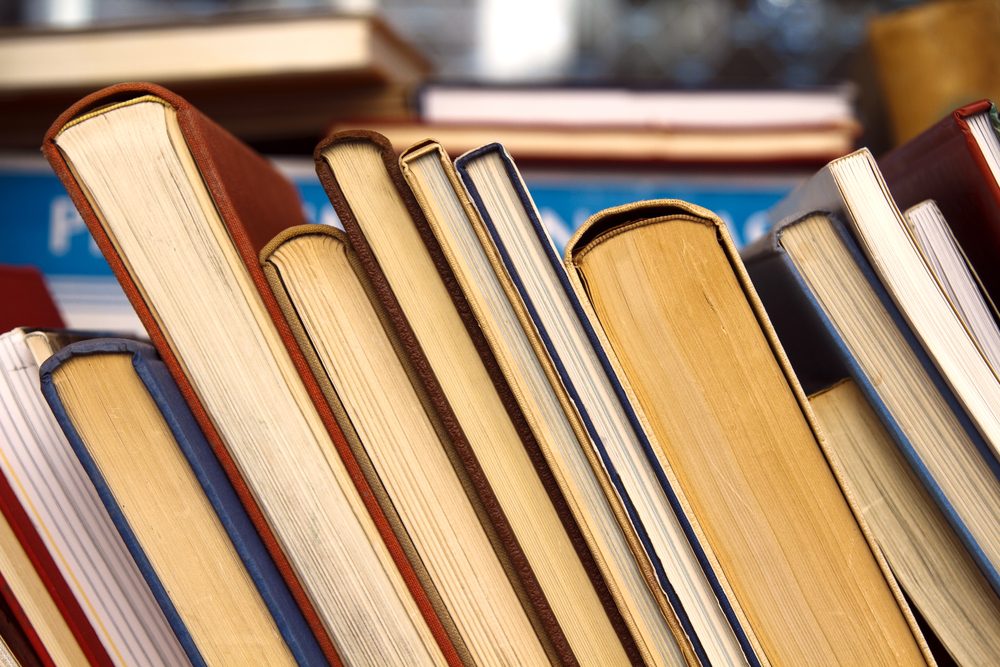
<point>944,163</point>
<point>26,300</point>
<point>255,203</point>
<point>408,340</point>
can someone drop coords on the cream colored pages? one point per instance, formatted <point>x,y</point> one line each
<point>896,260</point>
<point>929,560</point>
<point>899,377</point>
<point>388,229</point>
<point>403,445</point>
<point>153,486</point>
<point>678,320</point>
<point>572,348</point>
<point>64,508</point>
<point>38,606</point>
<point>454,230</point>
<point>163,222</point>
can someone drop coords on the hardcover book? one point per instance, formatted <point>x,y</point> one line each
<point>645,488</point>
<point>218,328</point>
<point>867,307</point>
<point>57,517</point>
<point>446,346</point>
<point>458,230</point>
<point>666,287</point>
<point>146,456</point>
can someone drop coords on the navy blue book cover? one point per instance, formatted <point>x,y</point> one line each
<point>206,468</point>
<point>820,357</point>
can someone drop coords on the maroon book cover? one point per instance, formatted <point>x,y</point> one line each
<point>26,301</point>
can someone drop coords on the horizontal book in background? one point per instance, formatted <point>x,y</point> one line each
<point>386,229</point>
<point>421,479</point>
<point>145,454</point>
<point>643,147</point>
<point>956,163</point>
<point>26,300</point>
<point>837,318</point>
<point>209,311</point>
<point>665,286</point>
<point>939,577</point>
<point>637,107</point>
<point>307,69</point>
<point>54,509</point>
<point>41,227</point>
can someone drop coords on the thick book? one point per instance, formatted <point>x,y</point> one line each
<point>211,574</point>
<point>435,325</point>
<point>957,164</point>
<point>939,577</point>
<point>644,486</point>
<point>57,516</point>
<point>665,285</point>
<point>413,466</point>
<point>215,323</point>
<point>27,301</point>
<point>838,316</point>
<point>463,241</point>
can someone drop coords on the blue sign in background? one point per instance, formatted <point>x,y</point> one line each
<point>40,226</point>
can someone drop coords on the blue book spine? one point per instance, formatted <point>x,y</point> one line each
<point>461,166</point>
<point>820,358</point>
<point>220,493</point>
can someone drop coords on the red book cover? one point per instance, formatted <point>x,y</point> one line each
<point>26,300</point>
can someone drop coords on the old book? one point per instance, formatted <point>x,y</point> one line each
<point>218,328</point>
<point>940,578</point>
<point>464,242</point>
<point>27,301</point>
<point>361,175</point>
<point>410,459</point>
<point>852,187</point>
<point>669,292</point>
<point>56,513</point>
<point>684,569</point>
<point>826,290</point>
<point>959,281</point>
<point>956,163</point>
<point>142,449</point>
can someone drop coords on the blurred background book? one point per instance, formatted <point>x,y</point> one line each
<point>724,103</point>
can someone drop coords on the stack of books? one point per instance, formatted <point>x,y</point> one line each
<point>425,438</point>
